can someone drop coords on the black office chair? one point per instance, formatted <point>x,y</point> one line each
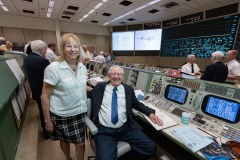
<point>91,130</point>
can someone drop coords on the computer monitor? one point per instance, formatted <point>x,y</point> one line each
<point>176,94</point>
<point>221,108</point>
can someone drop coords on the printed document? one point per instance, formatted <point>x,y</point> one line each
<point>192,139</point>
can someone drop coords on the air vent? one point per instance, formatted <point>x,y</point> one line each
<point>106,14</point>
<point>170,4</point>
<point>69,13</point>
<point>73,8</point>
<point>94,21</point>
<point>27,0</point>
<point>122,22</point>
<point>131,19</point>
<point>66,17</point>
<point>153,11</point>
<point>28,11</point>
<point>125,3</point>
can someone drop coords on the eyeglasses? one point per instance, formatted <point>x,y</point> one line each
<point>234,147</point>
<point>116,74</point>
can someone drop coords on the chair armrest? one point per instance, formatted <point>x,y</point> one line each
<point>135,112</point>
<point>91,126</point>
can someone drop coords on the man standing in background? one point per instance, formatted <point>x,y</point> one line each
<point>217,71</point>
<point>87,53</point>
<point>50,55</point>
<point>34,65</point>
<point>233,68</point>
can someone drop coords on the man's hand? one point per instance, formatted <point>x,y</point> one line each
<point>155,119</point>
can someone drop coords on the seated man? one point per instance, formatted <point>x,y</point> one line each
<point>216,72</point>
<point>112,112</point>
<point>191,67</point>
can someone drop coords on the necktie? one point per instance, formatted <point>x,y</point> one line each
<point>192,68</point>
<point>114,115</point>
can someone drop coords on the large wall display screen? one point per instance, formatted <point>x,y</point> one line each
<point>146,40</point>
<point>200,38</point>
<point>123,41</point>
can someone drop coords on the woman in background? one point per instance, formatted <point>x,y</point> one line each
<point>64,97</point>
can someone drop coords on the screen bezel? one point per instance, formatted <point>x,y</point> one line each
<point>204,105</point>
<point>167,91</point>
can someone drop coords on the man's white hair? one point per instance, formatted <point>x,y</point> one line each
<point>218,55</point>
<point>190,56</point>
<point>37,44</point>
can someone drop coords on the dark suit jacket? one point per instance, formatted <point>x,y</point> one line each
<point>216,72</point>
<point>34,66</point>
<point>131,102</point>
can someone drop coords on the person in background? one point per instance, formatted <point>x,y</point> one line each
<point>191,67</point>
<point>3,44</point>
<point>113,57</point>
<point>100,57</point>
<point>64,97</point>
<point>29,49</point>
<point>87,53</point>
<point>108,58</point>
<point>216,72</point>
<point>34,65</point>
<point>117,124</point>
<point>26,46</point>
<point>51,56</point>
<point>9,46</point>
<point>233,67</point>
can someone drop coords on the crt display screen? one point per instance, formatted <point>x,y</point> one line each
<point>222,108</point>
<point>176,94</point>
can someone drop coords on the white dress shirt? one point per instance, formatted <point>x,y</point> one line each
<point>105,110</point>
<point>187,68</point>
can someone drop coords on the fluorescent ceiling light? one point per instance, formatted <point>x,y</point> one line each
<point>98,5</point>
<point>104,1</point>
<point>81,19</point>
<point>85,16</point>
<point>106,23</point>
<point>153,2</point>
<point>5,8</point>
<point>48,14</point>
<point>51,3</point>
<point>135,10</point>
<point>90,12</point>
<point>1,3</point>
<point>49,10</point>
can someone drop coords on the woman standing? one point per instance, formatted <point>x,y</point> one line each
<point>64,97</point>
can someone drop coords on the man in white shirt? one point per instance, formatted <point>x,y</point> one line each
<point>233,67</point>
<point>87,53</point>
<point>100,57</point>
<point>191,67</point>
<point>50,55</point>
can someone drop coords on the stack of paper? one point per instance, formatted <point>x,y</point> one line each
<point>167,121</point>
<point>192,139</point>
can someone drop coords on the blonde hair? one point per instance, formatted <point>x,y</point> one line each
<point>64,40</point>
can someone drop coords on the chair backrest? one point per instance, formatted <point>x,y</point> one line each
<point>89,106</point>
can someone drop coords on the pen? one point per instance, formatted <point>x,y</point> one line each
<point>207,132</point>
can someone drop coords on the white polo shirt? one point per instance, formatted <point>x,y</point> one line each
<point>69,96</point>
